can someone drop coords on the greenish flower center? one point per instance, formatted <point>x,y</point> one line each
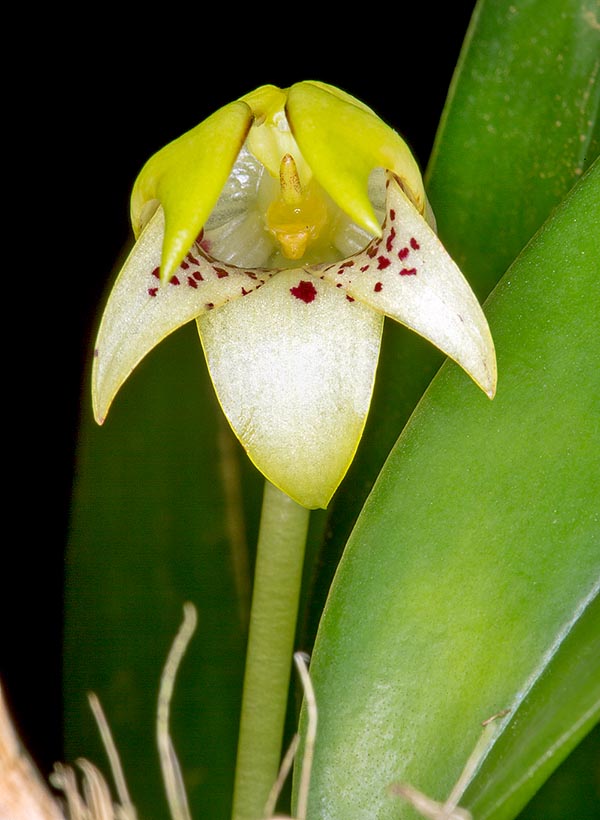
<point>298,215</point>
<point>271,221</point>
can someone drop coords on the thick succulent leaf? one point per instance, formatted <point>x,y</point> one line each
<point>562,707</point>
<point>476,554</point>
<point>408,275</point>
<point>293,365</point>
<point>573,787</point>
<point>517,130</point>
<point>187,177</point>
<point>519,124</point>
<point>343,143</point>
<point>142,310</point>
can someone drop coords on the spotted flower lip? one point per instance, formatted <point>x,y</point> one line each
<point>288,225</point>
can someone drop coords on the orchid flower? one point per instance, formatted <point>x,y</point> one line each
<point>288,224</point>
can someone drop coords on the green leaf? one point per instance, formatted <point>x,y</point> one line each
<point>475,556</point>
<point>573,787</point>
<point>500,164</point>
<point>517,129</point>
<point>561,708</point>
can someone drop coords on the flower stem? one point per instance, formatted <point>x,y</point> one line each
<point>273,616</point>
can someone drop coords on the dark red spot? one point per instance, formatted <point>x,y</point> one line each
<point>403,253</point>
<point>174,281</point>
<point>377,287</point>
<point>364,268</point>
<point>156,273</point>
<point>251,274</point>
<point>192,259</point>
<point>152,291</point>
<point>372,251</point>
<point>200,237</point>
<point>221,272</point>
<point>184,265</point>
<point>390,240</point>
<point>192,282</point>
<point>210,305</point>
<point>245,292</point>
<point>348,264</point>
<point>305,291</point>
<point>414,244</point>
<point>392,214</point>
<point>339,285</point>
<point>198,276</point>
<point>408,272</point>
<point>383,262</point>
<point>349,298</point>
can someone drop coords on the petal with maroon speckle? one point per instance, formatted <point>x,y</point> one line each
<point>293,365</point>
<point>140,311</point>
<point>409,276</point>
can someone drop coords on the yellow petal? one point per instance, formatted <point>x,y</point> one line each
<point>142,310</point>
<point>408,275</point>
<point>187,176</point>
<point>343,141</point>
<point>293,366</point>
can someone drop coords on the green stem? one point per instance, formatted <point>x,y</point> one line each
<point>273,616</point>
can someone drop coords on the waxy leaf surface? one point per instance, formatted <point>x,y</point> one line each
<point>519,127</point>
<point>475,556</point>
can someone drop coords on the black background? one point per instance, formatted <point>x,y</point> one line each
<point>88,99</point>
